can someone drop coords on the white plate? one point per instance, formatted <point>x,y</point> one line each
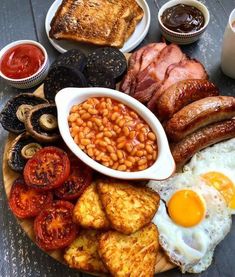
<point>135,39</point>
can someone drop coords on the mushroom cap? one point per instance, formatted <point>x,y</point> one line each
<point>34,127</point>
<point>15,159</point>
<point>8,116</point>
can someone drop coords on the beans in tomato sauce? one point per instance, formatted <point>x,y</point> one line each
<point>113,134</point>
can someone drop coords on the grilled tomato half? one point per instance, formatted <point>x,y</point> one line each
<point>79,179</point>
<point>26,202</point>
<point>49,168</point>
<point>53,227</point>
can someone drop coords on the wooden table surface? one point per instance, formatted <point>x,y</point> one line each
<point>24,19</point>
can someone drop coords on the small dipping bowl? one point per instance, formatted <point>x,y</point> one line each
<point>34,79</point>
<point>183,38</point>
<point>161,169</point>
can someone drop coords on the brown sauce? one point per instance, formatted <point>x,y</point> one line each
<point>183,18</point>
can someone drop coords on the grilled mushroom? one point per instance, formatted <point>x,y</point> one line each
<point>14,113</point>
<point>22,148</point>
<point>41,123</point>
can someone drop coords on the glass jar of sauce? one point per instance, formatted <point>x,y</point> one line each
<point>22,61</point>
<point>183,18</point>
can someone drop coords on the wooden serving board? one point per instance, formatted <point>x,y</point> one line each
<point>163,263</point>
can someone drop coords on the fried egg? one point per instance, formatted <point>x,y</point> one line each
<point>216,166</point>
<point>192,219</point>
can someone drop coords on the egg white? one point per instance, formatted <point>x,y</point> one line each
<point>219,157</point>
<point>191,248</point>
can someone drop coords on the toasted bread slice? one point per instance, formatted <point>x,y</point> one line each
<point>127,207</point>
<point>101,22</point>
<point>138,15</point>
<point>132,255</point>
<point>88,211</point>
<point>83,253</point>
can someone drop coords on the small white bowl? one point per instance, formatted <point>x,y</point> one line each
<point>32,80</point>
<point>183,38</point>
<point>163,167</point>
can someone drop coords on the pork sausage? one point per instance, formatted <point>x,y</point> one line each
<point>199,114</point>
<point>181,94</point>
<point>211,134</point>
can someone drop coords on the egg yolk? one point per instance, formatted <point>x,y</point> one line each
<point>186,208</point>
<point>223,184</point>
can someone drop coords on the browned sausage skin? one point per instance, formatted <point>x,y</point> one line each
<point>181,94</point>
<point>199,114</point>
<point>185,149</point>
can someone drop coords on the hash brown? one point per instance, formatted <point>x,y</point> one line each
<point>83,254</point>
<point>127,207</point>
<point>132,255</point>
<point>88,211</point>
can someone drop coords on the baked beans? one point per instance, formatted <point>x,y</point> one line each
<point>113,134</point>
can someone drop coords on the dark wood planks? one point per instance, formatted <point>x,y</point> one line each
<point>13,23</point>
<point>153,34</point>
<point>24,19</point>
<point>39,9</point>
<point>227,6</point>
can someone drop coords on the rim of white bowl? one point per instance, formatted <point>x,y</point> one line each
<point>194,3</point>
<point>18,42</point>
<point>232,19</point>
<point>162,168</point>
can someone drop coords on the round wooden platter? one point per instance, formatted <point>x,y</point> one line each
<point>163,264</point>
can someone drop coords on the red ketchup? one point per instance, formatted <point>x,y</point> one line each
<point>21,61</point>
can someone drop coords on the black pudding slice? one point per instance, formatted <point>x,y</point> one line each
<point>74,57</point>
<point>60,77</point>
<point>108,58</point>
<point>101,78</point>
